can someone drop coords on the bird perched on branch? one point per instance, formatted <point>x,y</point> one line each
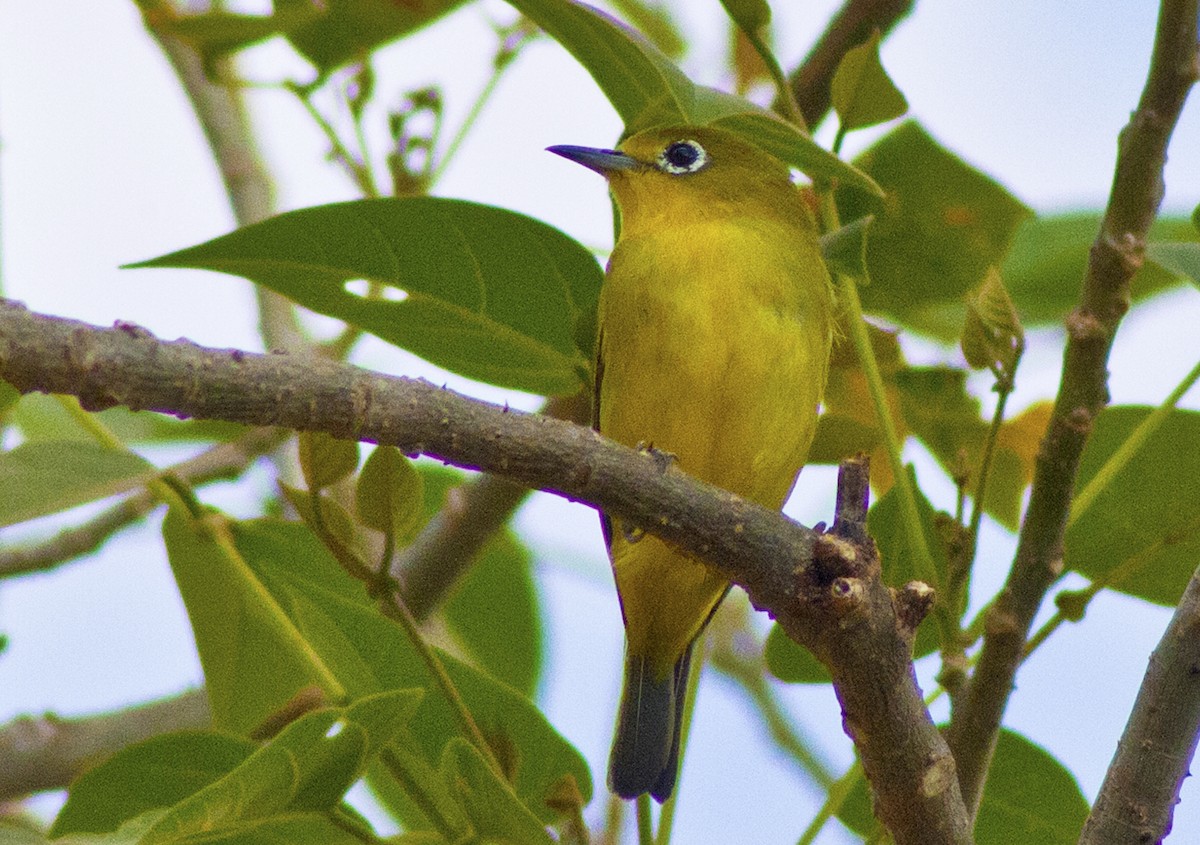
<point>715,324</point>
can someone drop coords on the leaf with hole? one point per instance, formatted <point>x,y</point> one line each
<point>485,292</point>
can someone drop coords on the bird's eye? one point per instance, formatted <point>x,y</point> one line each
<point>682,157</point>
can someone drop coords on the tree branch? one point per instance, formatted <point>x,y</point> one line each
<point>851,26</point>
<point>1117,254</point>
<point>824,589</point>
<point>429,567</point>
<point>220,461</point>
<point>1138,797</point>
<point>47,752</point>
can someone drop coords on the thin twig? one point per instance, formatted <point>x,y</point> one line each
<point>222,115</point>
<point>1117,254</point>
<point>851,26</point>
<point>47,752</point>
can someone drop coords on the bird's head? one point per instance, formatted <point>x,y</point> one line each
<point>687,172</point>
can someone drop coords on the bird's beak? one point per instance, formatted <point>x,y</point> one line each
<point>603,162</point>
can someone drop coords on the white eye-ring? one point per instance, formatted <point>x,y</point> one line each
<point>681,157</point>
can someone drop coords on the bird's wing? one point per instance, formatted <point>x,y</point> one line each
<point>605,522</point>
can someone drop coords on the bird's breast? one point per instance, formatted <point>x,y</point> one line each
<point>714,342</point>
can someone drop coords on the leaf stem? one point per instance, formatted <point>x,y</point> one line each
<point>958,578</point>
<point>1137,438</point>
<point>359,171</point>
<point>416,792</point>
<point>217,527</point>
<point>836,796</point>
<point>1117,461</point>
<point>644,825</point>
<point>908,500</point>
<point>103,435</point>
<point>511,41</point>
<point>398,611</point>
<point>785,97</point>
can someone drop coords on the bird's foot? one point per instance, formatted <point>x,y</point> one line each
<point>662,458</point>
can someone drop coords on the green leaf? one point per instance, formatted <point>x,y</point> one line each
<point>886,525</point>
<point>42,417</point>
<point>217,32</point>
<point>368,652</point>
<point>1180,259</point>
<point>497,594</point>
<point>862,92</point>
<point>348,30</point>
<point>944,225</point>
<point>749,15</point>
<point>634,75</point>
<point>781,139</point>
<point>254,658</point>
<point>648,90</point>
<point>307,767</point>
<point>487,293</point>
<point>389,493</point>
<point>939,411</point>
<point>335,522</point>
<point>495,811</point>
<point>495,614</point>
<point>654,21</point>
<point>1044,269</point>
<point>792,663</point>
<point>157,772</point>
<point>9,396</point>
<point>1029,798</point>
<point>992,337</point>
<point>325,460</point>
<point>1142,533</point>
<point>845,251</point>
<point>290,828</point>
<point>130,833</point>
<point>45,478</point>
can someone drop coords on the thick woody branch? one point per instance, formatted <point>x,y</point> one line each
<point>1117,254</point>
<point>128,366</point>
<point>1138,797</point>
<point>852,25</point>
<point>46,752</point>
<point>824,589</point>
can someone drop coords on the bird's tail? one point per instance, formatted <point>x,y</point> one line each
<point>645,752</point>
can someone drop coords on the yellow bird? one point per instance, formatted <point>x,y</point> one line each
<point>716,319</point>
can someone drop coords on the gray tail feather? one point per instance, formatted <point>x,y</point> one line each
<point>645,752</point>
